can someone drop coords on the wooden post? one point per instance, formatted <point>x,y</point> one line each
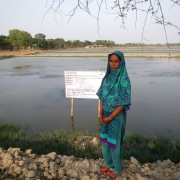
<point>72,114</point>
<point>99,116</point>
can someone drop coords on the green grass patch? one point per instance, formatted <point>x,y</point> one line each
<point>6,57</point>
<point>60,141</point>
<point>143,147</point>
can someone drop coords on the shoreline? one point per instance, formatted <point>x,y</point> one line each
<point>45,53</point>
<point>77,156</point>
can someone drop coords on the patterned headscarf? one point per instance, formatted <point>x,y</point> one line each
<point>115,89</point>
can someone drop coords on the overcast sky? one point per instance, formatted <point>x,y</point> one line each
<point>27,15</point>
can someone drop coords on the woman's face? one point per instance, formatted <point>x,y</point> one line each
<point>114,62</point>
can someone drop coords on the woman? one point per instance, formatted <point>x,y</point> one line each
<point>115,96</point>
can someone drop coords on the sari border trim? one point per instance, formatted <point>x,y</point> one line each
<point>113,146</point>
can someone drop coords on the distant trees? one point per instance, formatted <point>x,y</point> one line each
<point>5,42</point>
<point>23,39</point>
<point>14,37</point>
<point>40,36</point>
<point>20,38</point>
<point>51,44</point>
<point>87,42</point>
<point>40,42</point>
<point>59,43</point>
<point>105,43</point>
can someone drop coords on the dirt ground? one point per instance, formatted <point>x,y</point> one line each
<point>18,53</point>
<point>163,54</point>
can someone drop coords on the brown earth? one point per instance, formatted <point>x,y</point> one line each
<point>128,52</point>
<point>7,53</point>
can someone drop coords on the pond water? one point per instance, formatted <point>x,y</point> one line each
<point>32,92</point>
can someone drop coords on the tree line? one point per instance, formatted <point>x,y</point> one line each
<point>19,39</point>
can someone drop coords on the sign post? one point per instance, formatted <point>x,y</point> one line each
<point>82,84</point>
<point>99,120</point>
<point>72,113</point>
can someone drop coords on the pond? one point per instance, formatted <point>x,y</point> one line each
<point>32,92</point>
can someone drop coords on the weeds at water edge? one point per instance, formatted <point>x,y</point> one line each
<point>84,145</point>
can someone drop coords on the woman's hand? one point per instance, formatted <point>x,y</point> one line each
<point>101,117</point>
<point>117,111</point>
<point>106,120</point>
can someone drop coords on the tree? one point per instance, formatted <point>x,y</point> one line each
<point>68,44</point>
<point>40,41</point>
<point>78,43</point>
<point>19,38</point>
<point>14,37</point>
<point>118,8</point>
<point>110,43</point>
<point>59,43</point>
<point>4,42</point>
<point>51,44</point>
<point>87,42</point>
<point>40,36</point>
<point>25,39</point>
<point>105,43</point>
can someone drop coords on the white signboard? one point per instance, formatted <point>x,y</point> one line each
<point>82,84</point>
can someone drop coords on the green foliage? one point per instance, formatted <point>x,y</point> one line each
<point>4,42</point>
<point>87,42</point>
<point>25,39</point>
<point>19,38</point>
<point>62,142</point>
<point>6,57</point>
<point>105,43</point>
<point>40,43</point>
<point>151,148</point>
<point>59,43</point>
<point>14,37</point>
<point>40,36</point>
<point>51,43</point>
<point>144,148</point>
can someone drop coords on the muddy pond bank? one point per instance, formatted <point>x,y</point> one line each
<point>138,52</point>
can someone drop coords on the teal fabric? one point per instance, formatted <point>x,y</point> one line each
<point>113,158</point>
<point>108,133</point>
<point>115,90</point>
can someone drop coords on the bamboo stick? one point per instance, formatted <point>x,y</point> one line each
<point>72,114</point>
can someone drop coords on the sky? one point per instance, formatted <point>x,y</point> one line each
<point>31,16</point>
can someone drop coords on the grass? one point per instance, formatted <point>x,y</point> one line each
<point>151,148</point>
<point>142,147</point>
<point>62,142</point>
<point>6,57</point>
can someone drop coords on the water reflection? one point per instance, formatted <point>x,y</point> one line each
<point>32,92</point>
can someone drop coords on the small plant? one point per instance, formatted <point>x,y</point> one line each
<point>177,144</point>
